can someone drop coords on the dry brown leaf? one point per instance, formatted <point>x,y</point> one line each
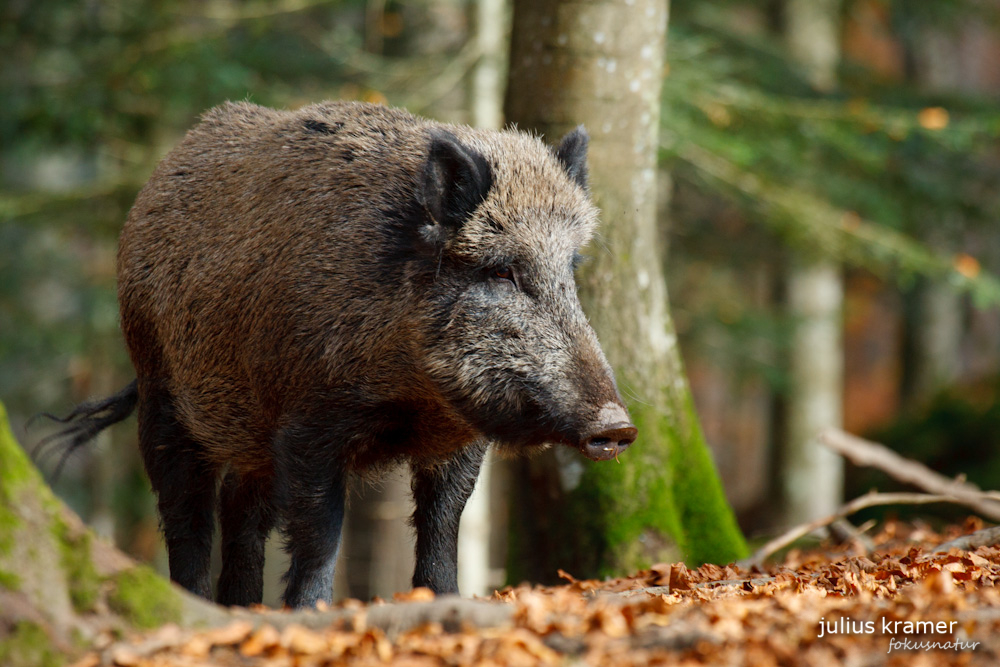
<point>266,637</point>
<point>419,594</point>
<point>125,656</point>
<point>233,633</point>
<point>680,577</point>
<point>197,646</point>
<point>712,615</point>
<point>302,641</point>
<point>611,621</point>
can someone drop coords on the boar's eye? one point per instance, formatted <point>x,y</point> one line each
<point>503,273</point>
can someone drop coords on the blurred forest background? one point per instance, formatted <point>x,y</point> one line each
<point>830,202</point>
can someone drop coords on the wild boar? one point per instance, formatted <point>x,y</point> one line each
<point>310,294</point>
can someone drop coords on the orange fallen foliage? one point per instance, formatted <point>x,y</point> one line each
<point>900,605</point>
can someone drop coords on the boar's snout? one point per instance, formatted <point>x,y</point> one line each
<point>609,442</point>
<point>609,435</point>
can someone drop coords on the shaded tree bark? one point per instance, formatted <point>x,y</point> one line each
<point>601,64</point>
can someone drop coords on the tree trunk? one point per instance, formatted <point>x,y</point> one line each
<point>812,476</point>
<point>61,586</point>
<point>486,104</point>
<point>943,61</point>
<point>600,64</point>
<point>937,332</point>
<point>377,556</point>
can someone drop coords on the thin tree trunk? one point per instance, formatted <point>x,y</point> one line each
<point>937,331</point>
<point>104,471</point>
<point>377,555</point>
<point>486,103</point>
<point>601,64</point>
<point>490,26</point>
<point>812,476</point>
<point>937,327</point>
<point>392,543</point>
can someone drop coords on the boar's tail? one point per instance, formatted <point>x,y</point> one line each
<point>86,421</point>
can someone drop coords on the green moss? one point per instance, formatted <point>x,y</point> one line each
<point>16,473</point>
<point>28,646</point>
<point>77,562</point>
<point>10,580</point>
<point>16,469</point>
<point>144,598</point>
<point>709,528</point>
<point>663,502</point>
<point>8,524</point>
<point>632,515</point>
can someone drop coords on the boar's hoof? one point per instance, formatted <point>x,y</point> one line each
<point>609,442</point>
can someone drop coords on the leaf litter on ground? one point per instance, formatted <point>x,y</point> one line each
<point>901,604</point>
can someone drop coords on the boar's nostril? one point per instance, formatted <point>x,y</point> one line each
<point>609,442</point>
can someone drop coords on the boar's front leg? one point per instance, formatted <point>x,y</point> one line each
<point>246,514</point>
<point>440,492</point>
<point>310,484</point>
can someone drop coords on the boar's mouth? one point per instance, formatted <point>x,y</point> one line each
<point>597,444</point>
<point>608,442</point>
<point>602,437</point>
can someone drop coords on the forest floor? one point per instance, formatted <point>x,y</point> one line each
<point>899,604</point>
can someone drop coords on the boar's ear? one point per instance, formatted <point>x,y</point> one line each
<point>572,154</point>
<point>456,180</point>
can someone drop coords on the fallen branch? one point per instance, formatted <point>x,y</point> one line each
<point>451,611</point>
<point>844,531</point>
<point>873,455</point>
<point>871,499</point>
<point>666,590</point>
<point>674,638</point>
<point>986,537</point>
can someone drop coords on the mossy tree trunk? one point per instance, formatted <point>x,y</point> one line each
<point>601,64</point>
<point>60,586</point>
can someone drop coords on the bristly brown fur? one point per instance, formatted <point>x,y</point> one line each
<point>309,293</point>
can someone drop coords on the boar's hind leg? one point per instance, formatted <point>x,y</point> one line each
<point>440,493</point>
<point>311,487</point>
<point>246,514</point>
<point>185,487</point>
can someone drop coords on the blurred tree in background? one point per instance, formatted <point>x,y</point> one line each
<point>892,172</point>
<point>891,169</point>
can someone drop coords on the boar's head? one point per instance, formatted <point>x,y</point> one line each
<point>504,220</point>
